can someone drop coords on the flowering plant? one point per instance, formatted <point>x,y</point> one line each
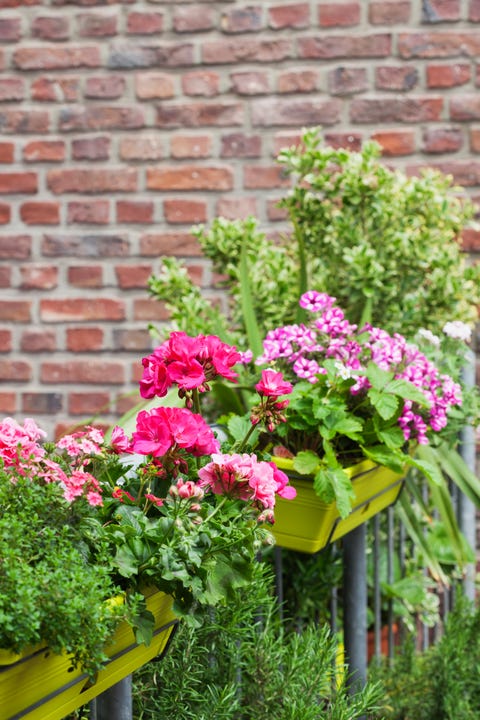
<point>357,393</point>
<point>170,505</point>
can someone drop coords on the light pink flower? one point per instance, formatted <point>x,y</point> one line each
<point>272,384</point>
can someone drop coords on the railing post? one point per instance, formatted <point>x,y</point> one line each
<point>115,703</point>
<point>355,604</point>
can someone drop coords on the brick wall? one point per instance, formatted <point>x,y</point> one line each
<point>123,123</point>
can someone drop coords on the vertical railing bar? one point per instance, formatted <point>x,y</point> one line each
<point>377,599</point>
<point>355,604</point>
<point>278,569</point>
<point>390,576</point>
<point>425,629</point>
<point>334,600</point>
<point>116,702</point>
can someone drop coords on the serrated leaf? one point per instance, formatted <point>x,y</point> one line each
<point>382,455</point>
<point>406,390</point>
<point>392,437</point>
<point>386,405</point>
<point>306,462</point>
<point>238,427</point>
<point>378,378</point>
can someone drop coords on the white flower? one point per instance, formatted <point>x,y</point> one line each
<point>344,372</point>
<point>429,337</point>
<point>458,330</point>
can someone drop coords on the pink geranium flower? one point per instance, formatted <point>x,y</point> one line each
<point>162,429</point>
<point>272,384</point>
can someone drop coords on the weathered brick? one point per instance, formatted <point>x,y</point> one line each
<point>15,247</point>
<point>149,86</point>
<point>408,109</point>
<point>89,212</point>
<point>297,81</point>
<point>81,309</point>
<point>40,213</point>
<point>345,46</point>
<point>475,140</point>
<point>42,403</point>
<point>338,14</point>
<point>91,180</point>
<point>56,58</point>
<point>250,83</point>
<point>234,208</point>
<point>44,151</point>
<point>10,29</point>
<point>236,50</point>
<point>85,276</point>
<point>286,139</point>
<point>464,172</point>
<point>191,146</point>
<point>97,372</point>
<point>127,56</point>
<point>86,404</point>
<point>96,25</point>
<point>85,339</point>
<point>241,145</point>
<point>19,122</point>
<point>465,108</point>
<point>438,44</point>
<point>395,142</point>
<point>93,148</point>
<point>36,340</point>
<point>394,78</point>
<point>15,310</point>
<point>258,177</point>
<point>275,213</point>
<point>240,20</point>
<point>135,211</point>
<point>106,86</point>
<point>131,339</point>
<point>133,276</point>
<point>181,244</point>
<point>183,115</point>
<point>7,152</point>
<point>292,15</point>
<point>391,12</point>
<point>185,211</point>
<point>12,89</point>
<point>347,80</point>
<point>201,82</point>
<point>269,112</point>
<point>447,76</point>
<point>442,140</point>
<point>50,28</point>
<point>474,11</point>
<point>5,213</point>
<point>100,118</point>
<point>8,403</point>
<point>55,89</point>
<point>85,246</point>
<point>15,371</point>
<point>144,23</point>
<point>38,277</point>
<point>194,18</point>
<point>142,148</point>
<point>471,240</point>
<point>18,183</point>
<point>437,11</point>
<point>5,341</point>
<point>189,177</point>
<point>149,309</point>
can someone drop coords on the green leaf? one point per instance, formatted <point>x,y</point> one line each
<point>378,378</point>
<point>251,325</point>
<point>430,470</point>
<point>332,483</point>
<point>406,390</point>
<point>392,437</point>
<point>144,624</point>
<point>383,455</point>
<point>306,462</point>
<point>238,427</point>
<point>386,405</point>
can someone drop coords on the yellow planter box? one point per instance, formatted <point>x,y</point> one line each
<point>307,523</point>
<point>43,686</point>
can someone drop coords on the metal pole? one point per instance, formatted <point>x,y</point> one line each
<point>355,604</point>
<point>115,703</point>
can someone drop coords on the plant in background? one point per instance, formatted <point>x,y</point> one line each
<point>164,507</point>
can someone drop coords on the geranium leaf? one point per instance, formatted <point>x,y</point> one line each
<point>306,462</point>
<point>386,405</point>
<point>406,390</point>
<point>378,378</point>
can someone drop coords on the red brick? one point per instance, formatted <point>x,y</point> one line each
<point>38,340</point>
<point>85,404</point>
<point>5,214</point>
<point>97,372</point>
<point>90,212</point>
<point>107,86</point>
<point>189,177</point>
<point>144,23</point>
<point>93,148</point>
<point>55,89</point>
<point>85,339</point>
<point>56,58</point>
<point>185,211</point>
<point>134,211</point>
<point>15,371</point>
<point>40,213</point>
<point>86,276</point>
<point>149,86</point>
<point>15,247</point>
<point>345,46</point>
<point>396,78</point>
<point>137,340</point>
<point>81,309</point>
<point>447,76</point>
<point>15,310</point>
<point>128,55</point>
<point>234,208</point>
<point>389,13</point>
<point>435,11</point>
<point>474,11</point>
<point>275,213</point>
<point>395,142</point>
<point>241,145</point>
<point>258,177</point>
<point>190,146</point>
<point>193,18</point>
<point>408,109</point>
<point>19,122</point>
<point>240,20</point>
<point>8,402</point>
<point>125,403</point>
<point>42,403</point>
<point>146,309</point>
<point>93,117</point>
<point>198,114</point>
<point>96,25</point>
<point>201,82</point>
<point>464,172</point>
<point>90,245</point>
<point>5,341</point>
<point>50,28</point>
<point>438,44</point>
<point>471,240</point>
<point>44,151</point>
<point>441,140</point>
<point>297,81</point>
<point>465,108</point>
<point>142,148</point>
<point>7,150</point>
<point>237,50</point>
<point>11,89</point>
<point>347,80</point>
<point>38,277</point>
<point>18,183</point>
<point>292,15</point>
<point>250,83</point>
<point>133,276</point>
<point>178,244</point>
<point>338,14</point>
<point>10,29</point>
<point>269,112</point>
<point>92,180</point>
<point>286,139</point>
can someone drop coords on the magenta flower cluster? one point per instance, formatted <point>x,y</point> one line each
<point>305,347</point>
